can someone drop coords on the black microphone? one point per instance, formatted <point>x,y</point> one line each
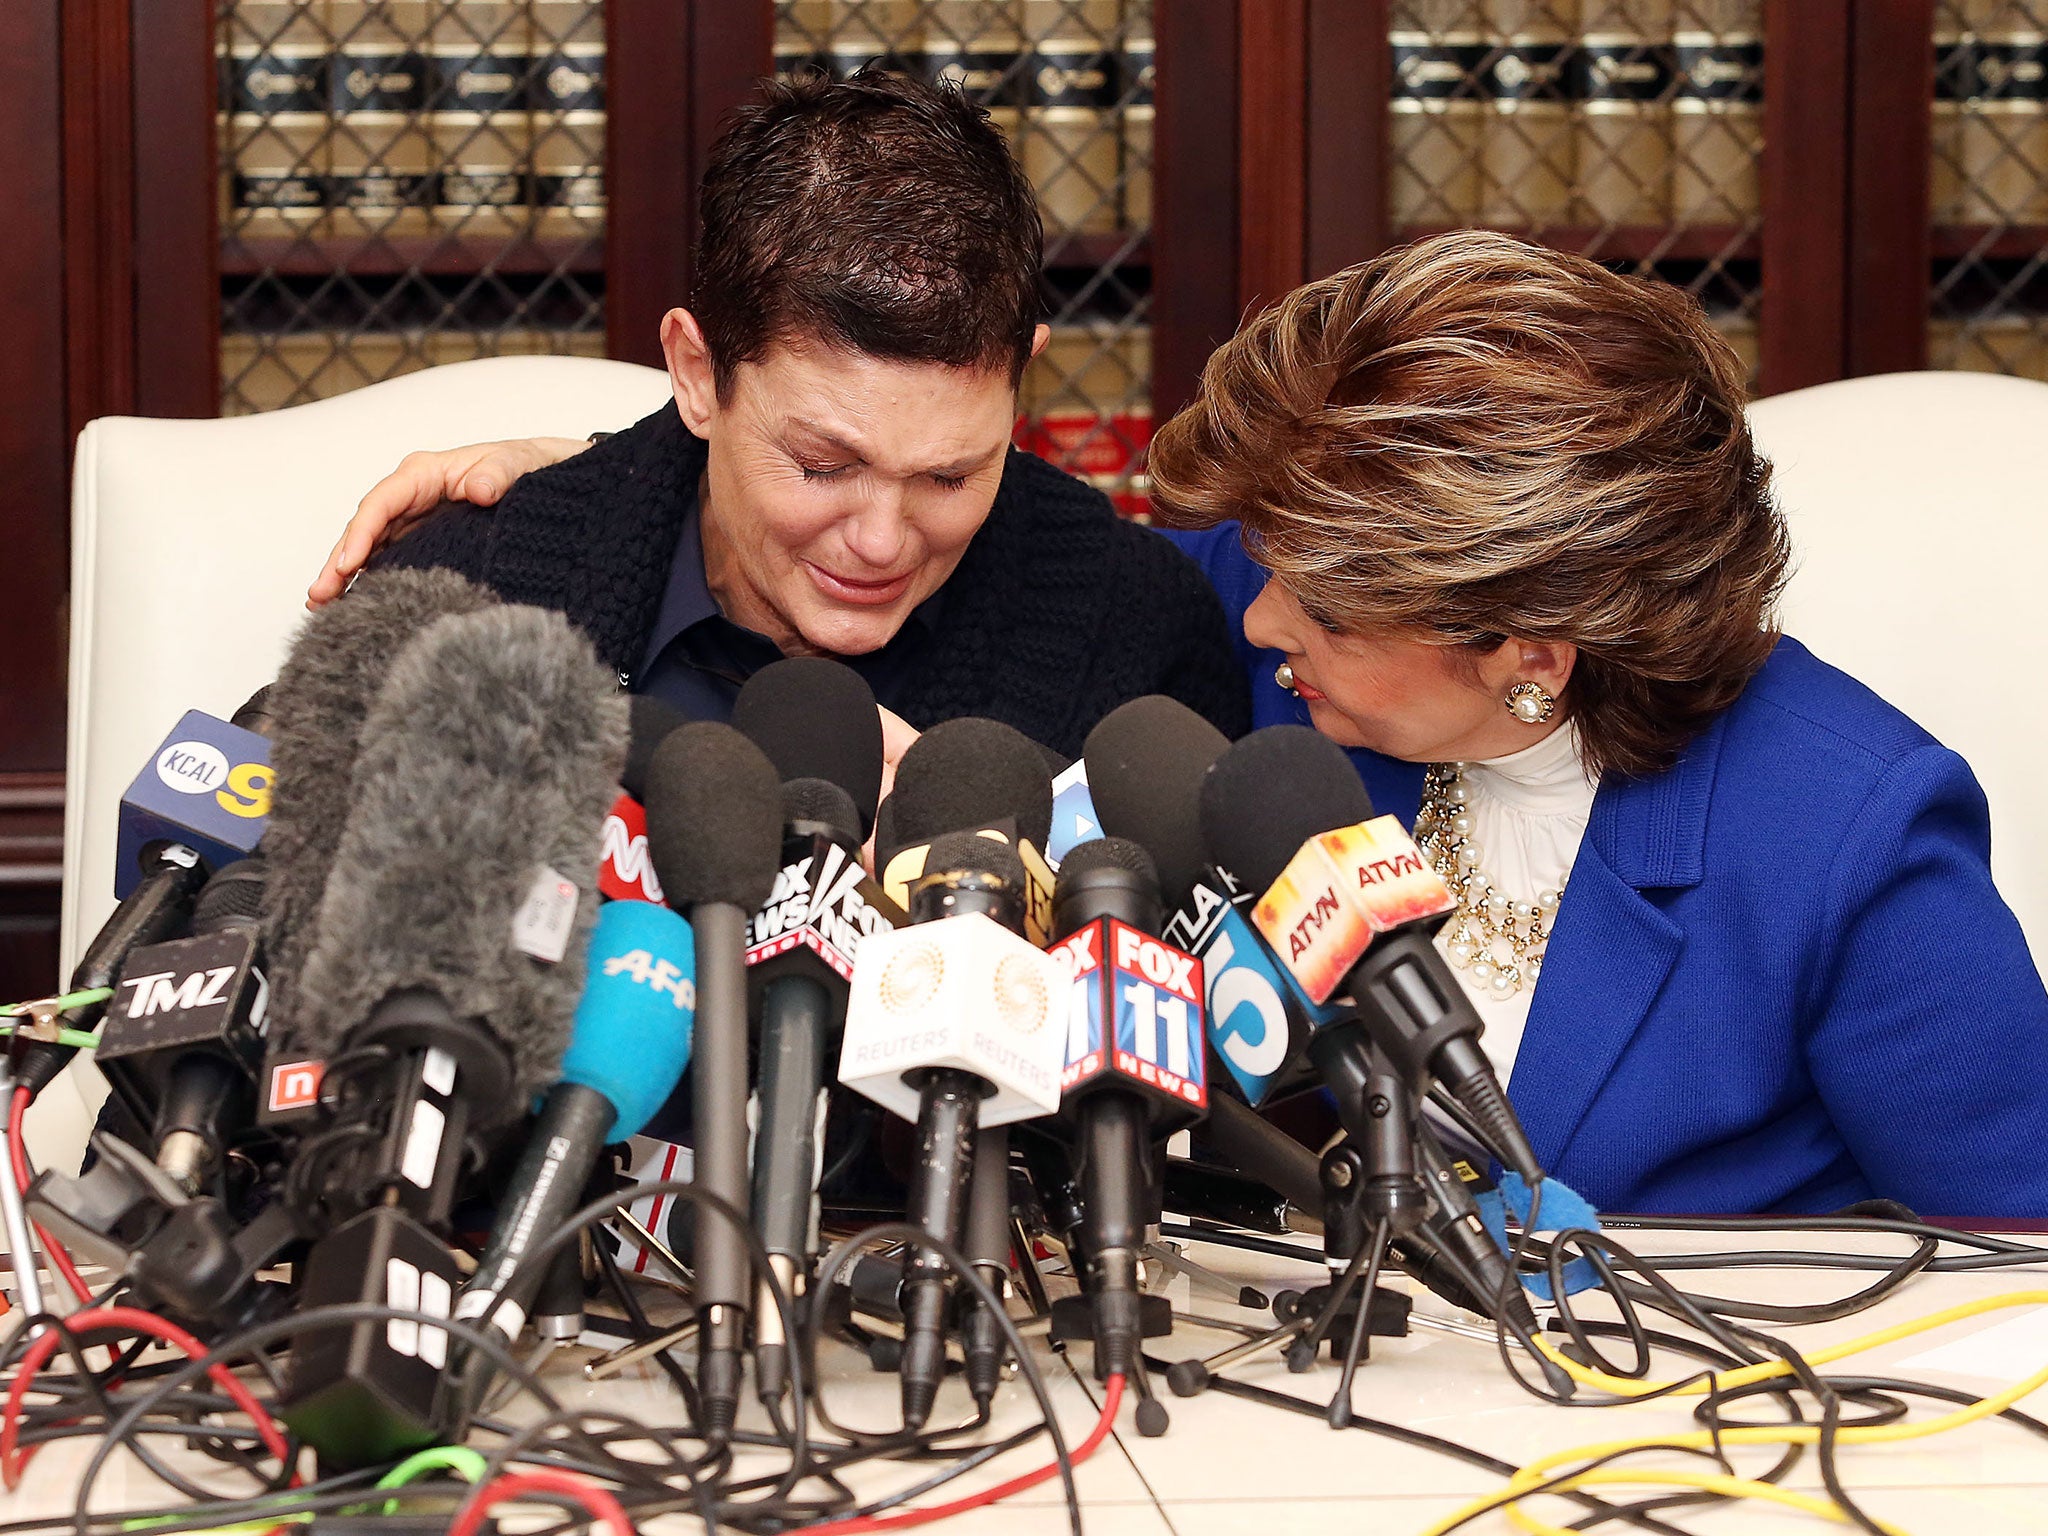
<point>802,947</point>
<point>183,1041</point>
<point>181,1049</point>
<point>956,1022</point>
<point>816,718</point>
<point>971,775</point>
<point>1134,1071</point>
<point>337,662</point>
<point>1350,907</point>
<point>714,830</point>
<point>444,964</point>
<point>817,722</point>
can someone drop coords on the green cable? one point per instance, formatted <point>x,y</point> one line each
<point>81,1039</point>
<point>468,1464</point>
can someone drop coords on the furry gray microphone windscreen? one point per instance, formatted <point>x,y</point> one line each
<point>487,764</point>
<point>339,659</point>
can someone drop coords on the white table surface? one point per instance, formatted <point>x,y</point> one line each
<point>1229,1466</point>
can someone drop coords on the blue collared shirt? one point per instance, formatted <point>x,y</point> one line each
<point>697,658</point>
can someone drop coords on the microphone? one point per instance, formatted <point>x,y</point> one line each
<point>628,1045</point>
<point>183,1041</point>
<point>198,805</point>
<point>181,1048</point>
<point>816,721</point>
<point>714,829</point>
<point>1146,762</point>
<point>1134,1067</point>
<point>816,718</point>
<point>956,1022</point>
<point>442,970</point>
<point>206,788</point>
<point>624,871</point>
<point>1285,810</point>
<point>338,660</point>
<point>972,775</point>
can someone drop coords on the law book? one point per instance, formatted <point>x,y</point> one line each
<point>1623,86</point>
<point>1137,110</point>
<point>273,120</point>
<point>2001,114</point>
<point>1528,151</point>
<point>567,117</point>
<point>479,118</point>
<point>1437,113</point>
<point>1717,112</point>
<point>380,174</point>
<point>1072,142</point>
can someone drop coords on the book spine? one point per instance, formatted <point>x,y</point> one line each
<point>273,119</point>
<point>381,179</point>
<point>1623,86</point>
<point>1436,116</point>
<point>1136,175</point>
<point>1072,144</point>
<point>479,119</point>
<point>567,121</point>
<point>1528,152</point>
<point>1717,114</point>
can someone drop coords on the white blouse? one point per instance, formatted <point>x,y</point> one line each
<point>1529,812</point>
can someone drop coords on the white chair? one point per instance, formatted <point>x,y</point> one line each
<point>191,546</point>
<point>1918,505</point>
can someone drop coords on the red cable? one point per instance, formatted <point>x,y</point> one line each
<point>17,1151</point>
<point>510,1485</point>
<point>127,1320</point>
<point>1112,1399</point>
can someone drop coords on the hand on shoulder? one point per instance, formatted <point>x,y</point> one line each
<point>479,474</point>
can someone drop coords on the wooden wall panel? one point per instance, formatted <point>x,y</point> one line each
<point>1272,149</point>
<point>1195,229</point>
<point>176,264</point>
<point>1803,319</point>
<point>1348,65</point>
<point>650,191</point>
<point>1891,79</point>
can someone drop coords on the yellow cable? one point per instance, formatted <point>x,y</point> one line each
<point>1763,1434</point>
<point>1623,1386</point>
<point>1707,1482</point>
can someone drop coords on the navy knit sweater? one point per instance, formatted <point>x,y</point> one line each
<point>1059,611</point>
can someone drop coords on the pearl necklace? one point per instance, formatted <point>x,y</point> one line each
<point>1495,940</point>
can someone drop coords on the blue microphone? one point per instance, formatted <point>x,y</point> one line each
<point>1145,764</point>
<point>628,1046</point>
<point>206,788</point>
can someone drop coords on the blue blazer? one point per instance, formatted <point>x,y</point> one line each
<point>1781,979</point>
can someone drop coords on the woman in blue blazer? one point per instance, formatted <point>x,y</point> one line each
<point>1510,523</point>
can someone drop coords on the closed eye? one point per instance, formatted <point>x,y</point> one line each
<point>949,482</point>
<point>823,474</point>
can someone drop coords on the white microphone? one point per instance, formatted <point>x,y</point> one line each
<point>956,1022</point>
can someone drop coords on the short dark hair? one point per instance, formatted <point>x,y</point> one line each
<point>876,214</point>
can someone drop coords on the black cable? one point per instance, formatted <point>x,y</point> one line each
<point>1415,1437</point>
<point>903,1231</point>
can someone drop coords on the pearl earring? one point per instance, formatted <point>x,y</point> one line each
<point>1530,703</point>
<point>1284,676</point>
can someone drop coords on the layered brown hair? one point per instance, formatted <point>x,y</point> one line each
<point>1472,438</point>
